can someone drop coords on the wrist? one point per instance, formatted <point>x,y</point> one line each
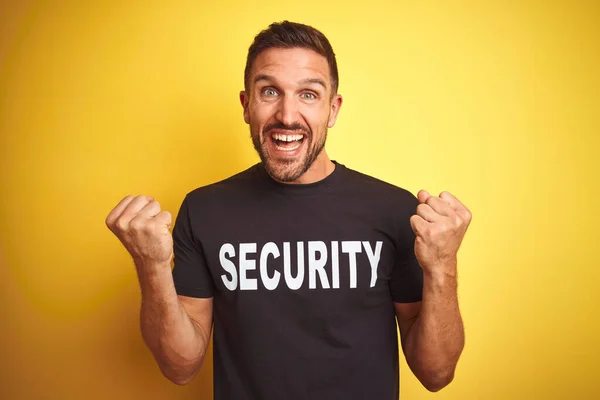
<point>151,271</point>
<point>442,274</point>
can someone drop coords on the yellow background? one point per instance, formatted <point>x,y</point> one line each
<point>495,101</point>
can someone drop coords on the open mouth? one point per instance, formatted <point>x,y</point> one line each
<point>287,142</point>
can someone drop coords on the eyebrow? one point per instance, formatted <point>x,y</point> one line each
<point>314,80</point>
<point>265,77</point>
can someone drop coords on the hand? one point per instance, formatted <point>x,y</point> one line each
<point>440,225</point>
<point>143,229</point>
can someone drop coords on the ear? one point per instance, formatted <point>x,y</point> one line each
<point>244,99</point>
<point>336,104</point>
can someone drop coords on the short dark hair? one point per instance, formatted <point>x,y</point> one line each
<point>288,35</point>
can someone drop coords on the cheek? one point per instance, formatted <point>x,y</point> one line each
<point>317,118</point>
<point>260,114</point>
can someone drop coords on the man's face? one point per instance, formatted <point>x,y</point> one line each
<point>289,105</point>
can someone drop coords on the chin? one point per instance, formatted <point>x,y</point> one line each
<point>285,171</point>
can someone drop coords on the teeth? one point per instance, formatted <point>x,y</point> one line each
<point>289,148</point>
<point>287,138</point>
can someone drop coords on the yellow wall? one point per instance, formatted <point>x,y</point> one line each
<point>495,101</point>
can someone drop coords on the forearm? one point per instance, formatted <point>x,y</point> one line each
<point>435,341</point>
<point>177,343</point>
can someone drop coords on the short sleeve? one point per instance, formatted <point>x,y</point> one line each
<point>190,272</point>
<point>406,281</point>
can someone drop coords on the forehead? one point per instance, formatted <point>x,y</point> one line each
<point>291,64</point>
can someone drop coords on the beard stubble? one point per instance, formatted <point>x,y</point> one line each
<point>288,170</point>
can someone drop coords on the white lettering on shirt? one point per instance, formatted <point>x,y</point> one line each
<point>247,265</point>
<point>291,282</point>
<point>352,248</point>
<point>228,266</point>
<point>269,249</point>
<point>321,263</point>
<point>317,264</point>
<point>374,257</point>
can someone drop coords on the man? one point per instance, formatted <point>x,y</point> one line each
<point>305,265</point>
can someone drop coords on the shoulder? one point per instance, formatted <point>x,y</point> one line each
<point>227,188</point>
<point>379,190</point>
<point>391,204</point>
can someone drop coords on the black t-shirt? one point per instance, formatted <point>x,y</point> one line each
<point>303,278</point>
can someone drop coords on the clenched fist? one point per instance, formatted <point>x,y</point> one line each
<point>143,229</point>
<point>440,225</point>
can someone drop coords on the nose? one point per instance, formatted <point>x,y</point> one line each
<point>287,112</point>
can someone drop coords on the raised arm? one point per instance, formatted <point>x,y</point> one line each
<point>175,328</point>
<point>432,334</point>
<point>432,331</point>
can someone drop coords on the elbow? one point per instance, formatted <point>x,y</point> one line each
<point>180,381</point>
<point>180,375</point>
<point>435,381</point>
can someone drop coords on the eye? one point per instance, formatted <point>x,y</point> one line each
<point>308,96</point>
<point>269,92</point>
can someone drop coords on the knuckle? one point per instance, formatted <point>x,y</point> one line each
<point>126,200</point>
<point>433,201</point>
<point>136,224</point>
<point>121,225</point>
<point>141,199</point>
<point>148,227</point>
<point>467,215</point>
